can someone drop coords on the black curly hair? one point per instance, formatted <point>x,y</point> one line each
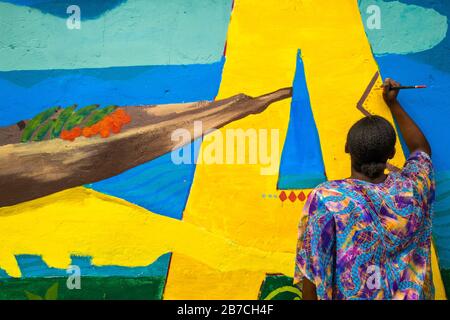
<point>371,142</point>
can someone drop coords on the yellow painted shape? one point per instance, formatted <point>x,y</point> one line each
<point>198,281</point>
<point>437,278</point>
<point>263,40</point>
<point>114,232</point>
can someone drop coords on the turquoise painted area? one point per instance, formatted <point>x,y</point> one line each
<point>441,219</point>
<point>91,9</point>
<point>405,28</point>
<point>138,32</point>
<point>32,266</point>
<point>438,56</point>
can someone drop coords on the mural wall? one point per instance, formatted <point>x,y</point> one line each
<point>93,203</point>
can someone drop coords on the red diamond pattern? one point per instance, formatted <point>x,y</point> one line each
<point>301,196</point>
<point>292,196</point>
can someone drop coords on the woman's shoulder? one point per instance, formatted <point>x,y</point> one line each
<point>332,188</point>
<point>333,185</point>
<point>331,198</point>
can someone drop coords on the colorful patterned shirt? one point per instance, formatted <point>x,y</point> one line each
<point>359,240</point>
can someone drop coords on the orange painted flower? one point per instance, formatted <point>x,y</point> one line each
<point>65,134</point>
<point>76,132</point>
<point>104,133</point>
<point>87,132</point>
<point>115,128</point>
<point>112,123</point>
<point>95,128</point>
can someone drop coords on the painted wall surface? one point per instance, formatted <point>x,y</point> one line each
<point>167,231</point>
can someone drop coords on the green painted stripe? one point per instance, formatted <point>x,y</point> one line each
<point>61,121</point>
<point>99,114</point>
<point>44,129</point>
<point>78,117</point>
<point>34,123</point>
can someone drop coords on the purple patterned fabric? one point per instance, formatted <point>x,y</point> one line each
<point>359,240</point>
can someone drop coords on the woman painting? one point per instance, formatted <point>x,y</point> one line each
<point>369,236</point>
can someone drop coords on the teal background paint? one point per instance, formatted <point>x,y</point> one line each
<point>405,28</point>
<point>137,32</point>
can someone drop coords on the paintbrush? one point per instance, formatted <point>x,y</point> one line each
<point>421,86</point>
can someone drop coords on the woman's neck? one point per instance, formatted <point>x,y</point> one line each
<point>359,176</point>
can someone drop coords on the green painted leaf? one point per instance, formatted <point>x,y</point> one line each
<point>61,121</point>
<point>32,296</point>
<point>99,114</point>
<point>78,117</point>
<point>42,131</point>
<point>52,292</point>
<point>34,123</point>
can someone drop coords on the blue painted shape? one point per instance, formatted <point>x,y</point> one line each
<point>33,266</point>
<point>89,9</point>
<point>430,108</point>
<point>3,274</point>
<point>301,160</point>
<point>25,93</point>
<point>159,186</point>
<point>157,268</point>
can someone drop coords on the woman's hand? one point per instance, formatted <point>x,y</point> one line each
<point>414,138</point>
<point>390,96</point>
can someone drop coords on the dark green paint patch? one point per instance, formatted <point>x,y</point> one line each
<point>445,273</point>
<point>280,282</point>
<point>92,288</point>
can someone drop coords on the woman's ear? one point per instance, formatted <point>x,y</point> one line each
<point>346,148</point>
<point>392,155</point>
